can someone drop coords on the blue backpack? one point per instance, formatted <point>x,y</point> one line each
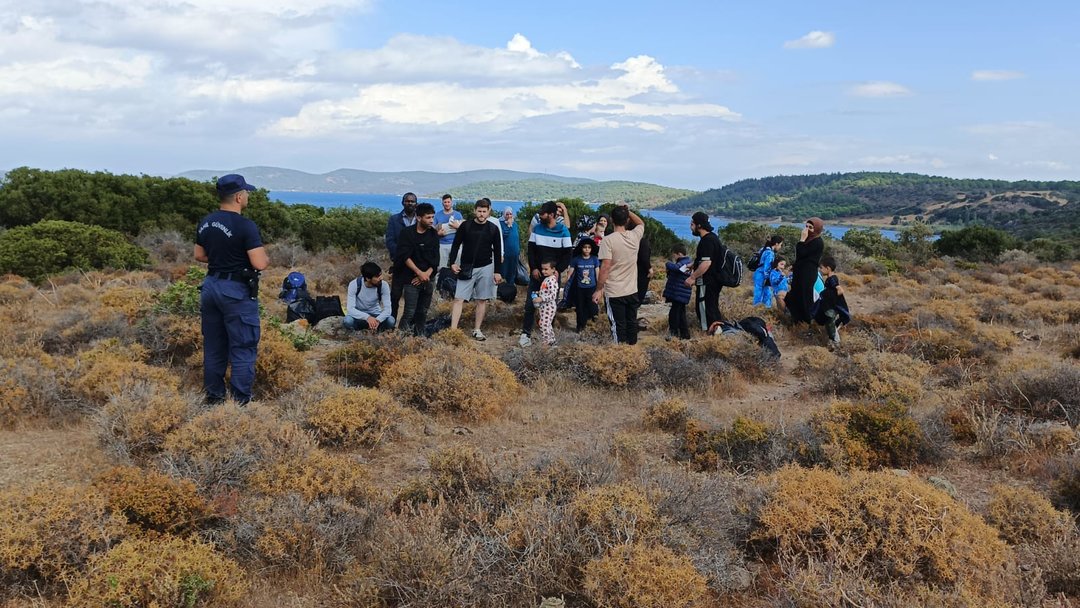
<point>293,287</point>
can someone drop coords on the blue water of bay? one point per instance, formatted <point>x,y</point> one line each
<point>677,223</point>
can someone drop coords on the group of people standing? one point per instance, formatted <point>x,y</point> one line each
<point>482,252</point>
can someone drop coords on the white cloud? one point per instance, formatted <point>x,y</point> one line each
<point>991,156</point>
<point>452,104</point>
<point>995,75</point>
<point>245,90</point>
<point>607,123</point>
<point>816,39</point>
<point>880,89</point>
<point>408,58</point>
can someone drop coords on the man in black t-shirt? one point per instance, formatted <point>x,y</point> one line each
<point>480,242</point>
<point>233,248</point>
<point>707,263</point>
<point>415,266</point>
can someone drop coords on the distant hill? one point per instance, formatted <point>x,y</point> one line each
<point>1025,208</point>
<point>373,182</point>
<point>636,193</point>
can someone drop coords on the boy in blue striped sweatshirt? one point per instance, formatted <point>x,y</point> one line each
<point>676,292</point>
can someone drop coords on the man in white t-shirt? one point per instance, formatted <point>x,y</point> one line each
<point>447,221</point>
<point>617,281</point>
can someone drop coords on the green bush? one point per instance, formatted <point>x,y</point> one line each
<point>974,243</point>
<point>51,246</point>
<point>182,297</point>
<point>869,242</point>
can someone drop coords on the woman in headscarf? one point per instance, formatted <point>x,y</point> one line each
<point>800,298</point>
<point>511,245</point>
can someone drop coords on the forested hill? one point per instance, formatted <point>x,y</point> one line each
<point>372,182</point>
<point>1023,207</point>
<point>635,193</point>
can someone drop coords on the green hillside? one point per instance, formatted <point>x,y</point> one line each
<point>371,182</point>
<point>638,194</point>
<point>1026,208</point>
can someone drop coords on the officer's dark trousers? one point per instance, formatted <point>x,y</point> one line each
<point>230,329</point>
<point>622,312</point>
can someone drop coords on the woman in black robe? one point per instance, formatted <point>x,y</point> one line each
<point>800,298</point>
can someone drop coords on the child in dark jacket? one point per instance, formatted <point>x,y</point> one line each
<point>676,292</point>
<point>585,268</point>
<point>831,310</point>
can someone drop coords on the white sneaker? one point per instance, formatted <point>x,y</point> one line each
<point>478,335</point>
<point>525,340</point>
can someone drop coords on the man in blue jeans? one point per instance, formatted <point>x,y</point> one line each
<point>229,306</point>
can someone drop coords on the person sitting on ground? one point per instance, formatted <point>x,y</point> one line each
<point>545,301</point>
<point>584,269</point>
<point>777,283</point>
<point>764,267</point>
<point>676,292</point>
<point>831,310</point>
<point>368,301</point>
<point>480,244</point>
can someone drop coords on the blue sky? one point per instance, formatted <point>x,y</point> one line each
<point>690,94</point>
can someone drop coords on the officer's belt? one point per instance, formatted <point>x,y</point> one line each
<point>231,276</point>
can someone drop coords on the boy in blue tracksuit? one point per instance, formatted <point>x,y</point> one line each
<point>676,292</point>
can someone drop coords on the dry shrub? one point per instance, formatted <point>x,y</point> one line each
<point>279,368</point>
<point>746,445</point>
<point>111,369</point>
<point>616,514</point>
<point>672,369</point>
<point>636,576</point>
<point>877,376</point>
<point>363,361</point>
<point>627,448</point>
<point>458,471</point>
<point>1058,313</point>
<point>613,365</point>
<point>354,417</point>
<point>815,362</point>
<point>153,501</point>
<point>132,302</point>
<point>885,528</point>
<point>33,388</point>
<point>51,532</point>
<point>1022,516</point>
<point>860,435</point>
<point>290,532</point>
<point>316,475</point>
<point>170,338</point>
<point>412,562</point>
<point>223,446</point>
<point>448,380</point>
<point>134,423</point>
<point>453,337</point>
<point>1066,483</point>
<point>162,572</point>
<point>1052,392</point>
<point>669,415</point>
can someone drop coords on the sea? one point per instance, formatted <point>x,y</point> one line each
<point>676,222</point>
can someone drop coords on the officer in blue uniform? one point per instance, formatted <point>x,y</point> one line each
<point>232,246</point>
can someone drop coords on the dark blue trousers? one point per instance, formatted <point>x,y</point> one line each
<point>230,329</point>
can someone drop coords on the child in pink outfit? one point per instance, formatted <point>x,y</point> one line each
<point>545,301</point>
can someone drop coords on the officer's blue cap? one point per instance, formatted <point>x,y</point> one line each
<point>231,184</point>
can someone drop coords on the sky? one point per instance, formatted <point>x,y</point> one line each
<point>679,93</point>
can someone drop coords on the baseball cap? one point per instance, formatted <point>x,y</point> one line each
<point>231,184</point>
<point>702,220</point>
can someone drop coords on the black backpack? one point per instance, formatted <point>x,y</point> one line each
<point>755,260</point>
<point>731,269</point>
<point>446,283</point>
<point>506,291</point>
<point>301,308</point>
<point>327,306</point>
<point>757,327</point>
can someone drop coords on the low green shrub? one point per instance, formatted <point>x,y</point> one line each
<point>52,246</point>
